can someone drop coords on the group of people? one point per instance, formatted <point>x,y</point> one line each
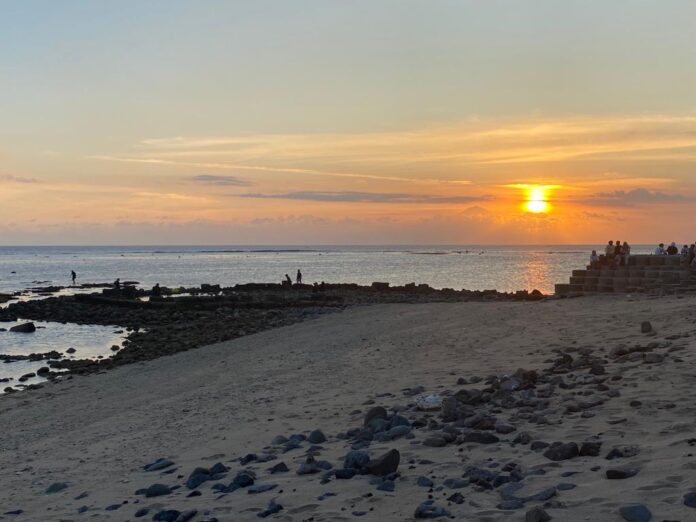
<point>298,278</point>
<point>688,253</point>
<point>615,254</point>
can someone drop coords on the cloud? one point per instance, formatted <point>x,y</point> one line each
<point>226,181</point>
<point>17,179</point>
<point>635,197</point>
<point>365,197</point>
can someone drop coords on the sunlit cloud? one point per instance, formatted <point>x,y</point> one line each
<point>366,197</point>
<point>224,181</point>
<point>635,197</point>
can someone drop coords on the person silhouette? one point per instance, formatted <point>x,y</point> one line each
<point>73,275</point>
<point>298,278</point>
<point>117,284</point>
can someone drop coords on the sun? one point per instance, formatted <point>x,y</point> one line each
<point>537,200</point>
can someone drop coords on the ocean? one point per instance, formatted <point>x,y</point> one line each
<point>473,267</point>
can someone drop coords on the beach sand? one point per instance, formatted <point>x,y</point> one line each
<point>95,433</point>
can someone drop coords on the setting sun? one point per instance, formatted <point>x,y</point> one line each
<point>536,200</point>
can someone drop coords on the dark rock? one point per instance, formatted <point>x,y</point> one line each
<point>141,512</point>
<point>377,412</point>
<point>435,442</point>
<point>511,504</point>
<point>590,449</point>
<point>457,498</point>
<point>536,514</point>
<point>158,465</point>
<point>197,477</point>
<point>645,327</point>
<point>272,509</point>
<point>166,515</point>
<point>424,482</point>
<point>345,474</point>
<point>157,490</point>
<point>562,451</point>
<point>243,479</point>
<point>690,500</point>
<point>522,437</point>
<point>428,509</point>
<point>185,516</point>
<point>621,473</point>
<point>455,483</point>
<point>281,467</point>
<point>384,464</point>
<point>635,513</point>
<point>260,488</point>
<point>316,437</point>
<point>356,460</point>
<point>480,437</point>
<point>56,487</point>
<point>538,445</point>
<point>24,328</point>
<point>387,485</point>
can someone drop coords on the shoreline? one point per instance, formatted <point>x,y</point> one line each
<point>225,402</point>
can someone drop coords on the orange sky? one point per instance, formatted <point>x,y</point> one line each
<point>354,140</point>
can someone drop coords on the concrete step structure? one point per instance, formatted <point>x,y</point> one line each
<point>642,273</point>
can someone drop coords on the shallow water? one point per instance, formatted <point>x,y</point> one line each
<point>89,341</point>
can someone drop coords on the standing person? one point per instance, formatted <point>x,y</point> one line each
<point>660,250</point>
<point>685,251</point>
<point>672,249</point>
<point>73,275</point>
<point>617,254</point>
<point>692,254</point>
<point>594,259</point>
<point>117,284</point>
<point>625,252</point>
<point>298,278</point>
<point>609,249</point>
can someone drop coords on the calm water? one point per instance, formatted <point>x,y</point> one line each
<point>505,268</point>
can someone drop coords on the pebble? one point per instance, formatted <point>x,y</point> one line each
<point>428,509</point>
<point>635,513</point>
<point>536,514</point>
<point>316,437</point>
<point>690,500</point>
<point>562,451</point>
<point>384,464</point>
<point>56,487</point>
<point>621,473</point>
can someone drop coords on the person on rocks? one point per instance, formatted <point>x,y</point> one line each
<point>672,249</point>
<point>692,254</point>
<point>117,284</point>
<point>617,253</point>
<point>594,259</point>
<point>609,250</point>
<point>660,250</point>
<point>156,291</point>
<point>625,253</point>
<point>73,275</point>
<point>288,281</point>
<point>298,278</point>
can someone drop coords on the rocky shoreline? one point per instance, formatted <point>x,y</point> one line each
<point>185,318</point>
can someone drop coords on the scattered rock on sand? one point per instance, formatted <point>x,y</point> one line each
<point>384,464</point>
<point>635,513</point>
<point>316,437</point>
<point>645,327</point>
<point>690,500</point>
<point>621,473</point>
<point>562,451</point>
<point>56,487</point>
<point>157,490</point>
<point>428,509</point>
<point>536,514</point>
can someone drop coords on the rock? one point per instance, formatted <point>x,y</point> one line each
<point>272,509</point>
<point>455,483</point>
<point>56,487</point>
<point>281,467</point>
<point>480,437</point>
<point>562,451</point>
<point>377,412</point>
<point>621,473</point>
<point>623,452</point>
<point>618,351</point>
<point>384,464</point>
<point>141,512</point>
<point>157,490</point>
<point>590,449</point>
<point>428,402</point>
<point>356,459</point>
<point>345,474</point>
<point>72,350</point>
<point>158,465</point>
<point>197,477</point>
<point>522,437</point>
<point>635,513</point>
<point>424,482</point>
<point>428,509</point>
<point>316,437</point>
<point>243,479</point>
<point>511,504</point>
<point>387,485</point>
<point>504,429</point>
<point>43,370</point>
<point>185,516</point>
<point>24,328</point>
<point>653,358</point>
<point>538,445</point>
<point>536,514</point>
<point>690,500</point>
<point>260,488</point>
<point>435,442</point>
<point>166,515</point>
<point>645,327</point>
<point>456,498</point>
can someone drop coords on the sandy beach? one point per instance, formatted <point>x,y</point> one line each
<point>90,436</point>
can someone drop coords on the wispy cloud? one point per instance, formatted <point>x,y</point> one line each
<point>225,181</point>
<point>17,179</point>
<point>366,197</point>
<point>635,197</point>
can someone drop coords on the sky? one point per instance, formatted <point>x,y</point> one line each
<point>335,122</point>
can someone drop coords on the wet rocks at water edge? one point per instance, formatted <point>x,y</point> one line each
<point>24,328</point>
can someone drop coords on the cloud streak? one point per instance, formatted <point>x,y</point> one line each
<point>366,197</point>
<point>221,181</point>
<point>635,197</point>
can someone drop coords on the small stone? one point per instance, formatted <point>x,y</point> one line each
<point>272,509</point>
<point>590,449</point>
<point>456,498</point>
<point>435,442</point>
<point>645,327</point>
<point>480,437</point>
<point>536,514</point>
<point>281,467</point>
<point>635,513</point>
<point>562,451</point>
<point>384,464</point>
<point>428,509</point>
<point>424,482</point>
<point>56,487</point>
<point>690,500</point>
<point>157,490</point>
<point>316,437</point>
<point>260,488</point>
<point>621,473</point>
<point>377,412</point>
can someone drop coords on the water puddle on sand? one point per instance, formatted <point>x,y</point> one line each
<point>89,342</point>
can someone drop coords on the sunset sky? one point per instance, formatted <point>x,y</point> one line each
<point>347,122</point>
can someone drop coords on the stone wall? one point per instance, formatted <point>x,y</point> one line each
<point>642,273</point>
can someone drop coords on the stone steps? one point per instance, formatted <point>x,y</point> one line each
<point>643,273</point>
